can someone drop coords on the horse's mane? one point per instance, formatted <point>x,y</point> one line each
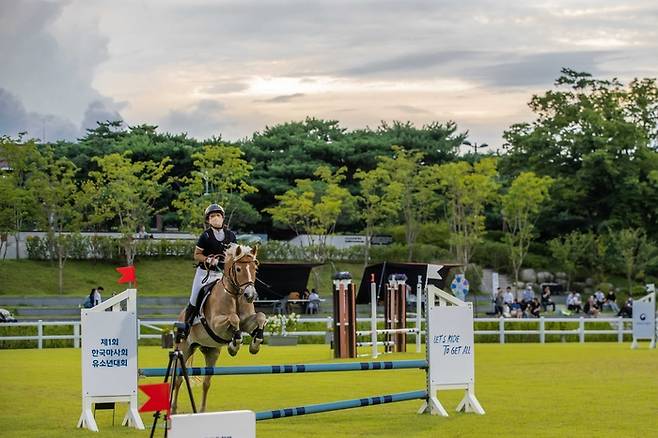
<point>233,248</point>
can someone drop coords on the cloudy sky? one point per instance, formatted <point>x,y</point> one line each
<point>210,67</point>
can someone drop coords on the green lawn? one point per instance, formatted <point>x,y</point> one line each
<point>590,390</point>
<point>167,276</point>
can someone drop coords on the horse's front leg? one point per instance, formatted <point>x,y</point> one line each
<point>228,326</point>
<point>211,354</point>
<point>252,323</point>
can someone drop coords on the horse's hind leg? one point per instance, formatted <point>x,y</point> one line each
<point>211,354</point>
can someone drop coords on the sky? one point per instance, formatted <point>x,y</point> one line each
<point>232,68</point>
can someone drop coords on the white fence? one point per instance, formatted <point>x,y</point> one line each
<point>505,328</point>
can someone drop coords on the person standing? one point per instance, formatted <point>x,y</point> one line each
<point>209,255</point>
<point>95,297</point>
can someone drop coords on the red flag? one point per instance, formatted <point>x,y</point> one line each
<point>158,397</point>
<point>127,274</point>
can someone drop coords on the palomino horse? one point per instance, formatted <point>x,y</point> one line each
<point>228,311</point>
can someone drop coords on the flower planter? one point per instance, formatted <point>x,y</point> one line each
<point>280,340</point>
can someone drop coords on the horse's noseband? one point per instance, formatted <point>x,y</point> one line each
<point>232,278</point>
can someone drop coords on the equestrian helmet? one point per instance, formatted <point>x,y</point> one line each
<point>213,208</point>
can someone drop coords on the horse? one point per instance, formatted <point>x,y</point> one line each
<point>227,312</point>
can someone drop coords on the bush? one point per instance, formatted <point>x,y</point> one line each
<point>37,248</point>
<point>494,255</point>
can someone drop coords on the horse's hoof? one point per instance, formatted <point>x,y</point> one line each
<point>254,347</point>
<point>233,348</point>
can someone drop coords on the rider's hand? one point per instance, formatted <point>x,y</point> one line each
<point>212,261</point>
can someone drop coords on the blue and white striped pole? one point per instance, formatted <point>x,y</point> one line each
<point>287,369</point>
<point>338,405</point>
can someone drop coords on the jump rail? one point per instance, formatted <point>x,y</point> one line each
<point>338,405</point>
<point>289,369</point>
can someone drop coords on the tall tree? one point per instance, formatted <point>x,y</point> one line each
<point>375,202</point>
<point>636,252</point>
<point>220,176</point>
<point>592,136</point>
<point>570,252</point>
<point>18,201</point>
<point>313,207</point>
<point>520,207</point>
<point>122,193</point>
<point>468,188</point>
<point>412,189</point>
<point>57,195</point>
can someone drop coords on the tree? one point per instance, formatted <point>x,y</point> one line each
<point>591,136</point>
<point>636,252</point>
<point>569,251</point>
<point>375,206</point>
<point>122,193</point>
<point>57,195</point>
<point>220,176</point>
<point>313,207</point>
<point>18,202</point>
<point>412,189</point>
<point>520,207</point>
<point>468,188</point>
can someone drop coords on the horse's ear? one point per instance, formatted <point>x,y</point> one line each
<point>238,251</point>
<point>254,251</point>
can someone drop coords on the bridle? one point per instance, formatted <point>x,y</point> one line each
<point>236,289</point>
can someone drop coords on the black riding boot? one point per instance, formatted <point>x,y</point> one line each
<point>190,313</point>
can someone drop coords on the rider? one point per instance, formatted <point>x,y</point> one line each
<point>209,253</point>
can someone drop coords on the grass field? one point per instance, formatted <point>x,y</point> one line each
<point>166,276</point>
<point>550,390</point>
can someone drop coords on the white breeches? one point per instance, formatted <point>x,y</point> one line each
<point>197,284</point>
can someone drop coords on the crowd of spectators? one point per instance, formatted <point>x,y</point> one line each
<point>530,306</point>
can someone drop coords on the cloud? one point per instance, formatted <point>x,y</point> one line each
<point>49,65</point>
<point>14,119</point>
<point>282,99</point>
<point>204,119</point>
<point>101,110</point>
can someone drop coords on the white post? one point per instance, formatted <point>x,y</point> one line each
<point>40,333</point>
<point>419,309</point>
<point>501,329</point>
<point>76,335</point>
<point>330,332</point>
<point>581,330</point>
<point>114,330</point>
<point>373,315</point>
<point>620,330</point>
<point>542,335</point>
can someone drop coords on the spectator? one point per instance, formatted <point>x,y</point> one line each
<point>313,302</point>
<point>611,301</point>
<point>499,302</point>
<point>574,303</point>
<point>599,298</point>
<point>546,299</point>
<point>515,310</point>
<point>508,298</point>
<point>627,309</point>
<point>528,294</point>
<point>534,308</point>
<point>590,307</point>
<point>95,296</point>
<point>305,294</point>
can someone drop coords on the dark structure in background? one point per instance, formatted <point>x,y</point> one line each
<point>276,280</point>
<point>383,270</point>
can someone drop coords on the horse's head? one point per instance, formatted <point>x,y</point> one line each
<point>240,267</point>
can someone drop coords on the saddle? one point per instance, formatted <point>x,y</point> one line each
<point>204,293</point>
<point>200,318</point>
